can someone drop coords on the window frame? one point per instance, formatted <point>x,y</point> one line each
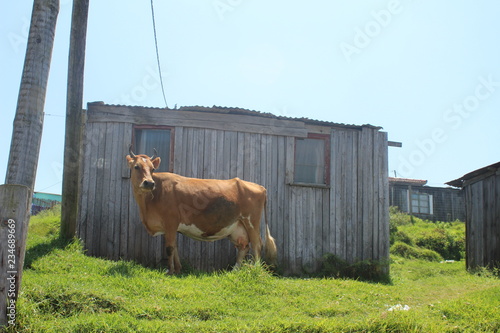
<point>420,199</point>
<point>172,139</point>
<point>327,162</point>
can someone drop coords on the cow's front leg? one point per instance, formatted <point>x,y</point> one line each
<point>172,255</point>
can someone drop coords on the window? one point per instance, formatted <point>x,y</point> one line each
<point>421,203</point>
<point>311,160</point>
<point>147,138</point>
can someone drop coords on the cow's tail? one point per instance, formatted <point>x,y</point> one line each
<point>270,250</point>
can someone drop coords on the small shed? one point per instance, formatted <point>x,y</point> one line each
<point>426,202</point>
<point>482,207</point>
<point>327,182</point>
<point>42,201</point>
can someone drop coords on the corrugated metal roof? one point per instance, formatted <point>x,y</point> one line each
<point>407,181</point>
<point>459,182</point>
<point>246,112</point>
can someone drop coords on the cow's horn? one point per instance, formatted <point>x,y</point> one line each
<point>131,152</point>
<point>155,153</point>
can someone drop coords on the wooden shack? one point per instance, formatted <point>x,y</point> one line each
<point>433,203</point>
<point>327,183</point>
<point>482,207</point>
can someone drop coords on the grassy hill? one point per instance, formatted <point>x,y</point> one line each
<point>412,237</point>
<point>65,291</point>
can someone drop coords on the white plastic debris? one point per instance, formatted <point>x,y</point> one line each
<point>399,307</point>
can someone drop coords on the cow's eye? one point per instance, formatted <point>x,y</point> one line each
<point>136,167</point>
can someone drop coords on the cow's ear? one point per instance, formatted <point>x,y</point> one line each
<point>156,162</point>
<point>130,160</point>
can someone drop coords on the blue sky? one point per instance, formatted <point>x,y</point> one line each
<point>428,72</point>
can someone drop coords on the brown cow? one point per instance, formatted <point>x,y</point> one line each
<point>202,209</point>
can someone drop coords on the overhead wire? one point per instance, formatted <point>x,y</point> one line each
<point>158,54</point>
<point>46,188</point>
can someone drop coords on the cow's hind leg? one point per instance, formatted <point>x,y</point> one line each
<point>252,225</point>
<point>256,242</point>
<point>242,253</point>
<point>177,261</point>
<point>239,238</point>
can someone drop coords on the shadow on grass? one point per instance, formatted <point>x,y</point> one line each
<point>128,268</point>
<point>41,250</point>
<point>376,272</point>
<point>122,268</point>
<point>371,271</point>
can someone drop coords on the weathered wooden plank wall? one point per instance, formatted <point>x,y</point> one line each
<point>359,200</point>
<point>482,198</point>
<point>349,218</point>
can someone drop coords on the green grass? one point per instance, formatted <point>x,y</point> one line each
<point>412,237</point>
<point>65,291</point>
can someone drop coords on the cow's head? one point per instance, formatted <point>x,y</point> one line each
<point>142,166</point>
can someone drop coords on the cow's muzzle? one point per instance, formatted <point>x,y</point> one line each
<point>148,185</point>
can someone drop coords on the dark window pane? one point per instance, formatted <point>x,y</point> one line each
<point>147,139</point>
<point>310,161</point>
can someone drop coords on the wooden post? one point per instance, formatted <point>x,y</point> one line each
<point>15,196</point>
<point>14,218</point>
<point>74,121</point>
<point>410,203</point>
<point>28,122</point>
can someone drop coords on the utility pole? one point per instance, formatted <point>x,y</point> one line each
<point>16,194</point>
<point>74,121</point>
